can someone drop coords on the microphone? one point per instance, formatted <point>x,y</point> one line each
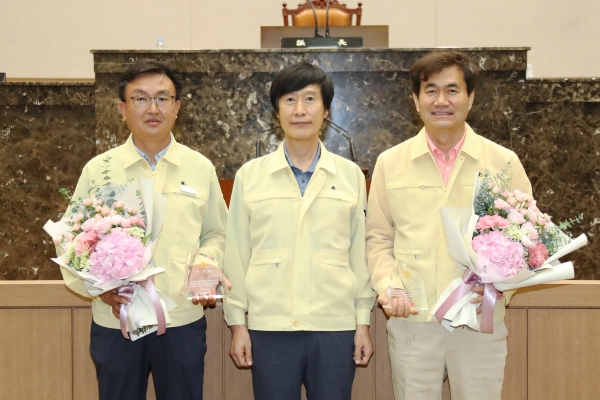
<point>327,20</point>
<point>346,135</point>
<point>317,34</point>
<point>259,135</point>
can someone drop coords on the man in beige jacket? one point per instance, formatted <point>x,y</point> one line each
<point>411,182</point>
<point>194,219</point>
<point>295,255</point>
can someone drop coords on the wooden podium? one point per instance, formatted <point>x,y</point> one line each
<point>374,35</point>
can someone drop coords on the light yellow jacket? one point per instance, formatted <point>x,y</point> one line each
<point>298,263</point>
<point>191,221</point>
<point>403,216</point>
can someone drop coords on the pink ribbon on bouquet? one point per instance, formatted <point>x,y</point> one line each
<point>127,292</point>
<point>490,295</point>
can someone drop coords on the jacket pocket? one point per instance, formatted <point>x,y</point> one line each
<point>412,203</point>
<point>411,251</point>
<point>176,269</point>
<point>333,284</point>
<point>268,282</point>
<point>184,213</point>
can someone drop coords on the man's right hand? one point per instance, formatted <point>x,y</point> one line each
<point>241,346</point>
<point>398,307</point>
<point>114,300</point>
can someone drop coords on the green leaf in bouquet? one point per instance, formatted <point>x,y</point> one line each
<point>65,193</point>
<point>145,239</point>
<point>568,224</point>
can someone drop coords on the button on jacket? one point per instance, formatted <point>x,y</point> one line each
<point>191,221</point>
<point>403,218</point>
<point>298,262</point>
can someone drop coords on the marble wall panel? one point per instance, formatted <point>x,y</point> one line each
<point>45,144</point>
<point>562,161</point>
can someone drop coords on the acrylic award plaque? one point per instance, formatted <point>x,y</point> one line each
<point>407,284</point>
<point>203,278</point>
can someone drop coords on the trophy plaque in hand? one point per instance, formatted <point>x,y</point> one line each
<point>407,284</point>
<point>203,278</point>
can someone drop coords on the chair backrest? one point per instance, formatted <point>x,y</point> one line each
<point>339,14</point>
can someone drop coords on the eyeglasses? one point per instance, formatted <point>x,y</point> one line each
<point>145,102</point>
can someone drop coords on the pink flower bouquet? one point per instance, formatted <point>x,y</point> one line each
<point>108,240</point>
<point>505,243</point>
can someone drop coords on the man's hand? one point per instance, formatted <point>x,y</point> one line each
<point>479,289</point>
<point>363,348</point>
<point>114,300</point>
<point>398,307</point>
<point>209,301</point>
<point>241,346</point>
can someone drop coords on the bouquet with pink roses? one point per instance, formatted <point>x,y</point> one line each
<point>508,243</point>
<point>108,240</point>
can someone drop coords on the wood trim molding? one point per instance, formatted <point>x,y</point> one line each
<point>562,294</point>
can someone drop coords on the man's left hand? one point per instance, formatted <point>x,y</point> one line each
<point>210,301</point>
<point>479,299</point>
<point>363,348</point>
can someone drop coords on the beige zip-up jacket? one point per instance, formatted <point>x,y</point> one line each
<point>298,263</point>
<point>191,221</point>
<point>403,218</point>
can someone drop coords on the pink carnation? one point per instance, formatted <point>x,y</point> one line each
<point>538,254</point>
<point>87,202</point>
<point>119,204</point>
<point>117,256</point>
<point>76,227</point>
<point>85,242</point>
<point>491,222</point>
<point>498,257</point>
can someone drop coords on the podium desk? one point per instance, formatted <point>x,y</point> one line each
<point>374,36</point>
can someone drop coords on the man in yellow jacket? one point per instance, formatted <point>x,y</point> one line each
<point>295,255</point>
<point>194,219</point>
<point>411,182</point>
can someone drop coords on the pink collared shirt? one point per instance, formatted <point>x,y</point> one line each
<point>445,166</point>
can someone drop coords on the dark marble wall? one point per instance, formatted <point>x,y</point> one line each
<point>553,125</point>
<point>562,158</point>
<point>46,136</point>
<point>226,98</point>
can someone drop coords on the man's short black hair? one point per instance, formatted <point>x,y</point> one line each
<point>146,66</point>
<point>437,61</point>
<point>298,76</point>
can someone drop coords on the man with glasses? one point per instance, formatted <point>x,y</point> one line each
<point>195,219</point>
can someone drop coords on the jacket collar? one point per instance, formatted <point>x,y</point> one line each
<point>471,146</point>
<point>131,156</point>
<point>278,161</point>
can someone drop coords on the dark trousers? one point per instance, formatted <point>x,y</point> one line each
<point>284,361</point>
<point>176,360</point>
